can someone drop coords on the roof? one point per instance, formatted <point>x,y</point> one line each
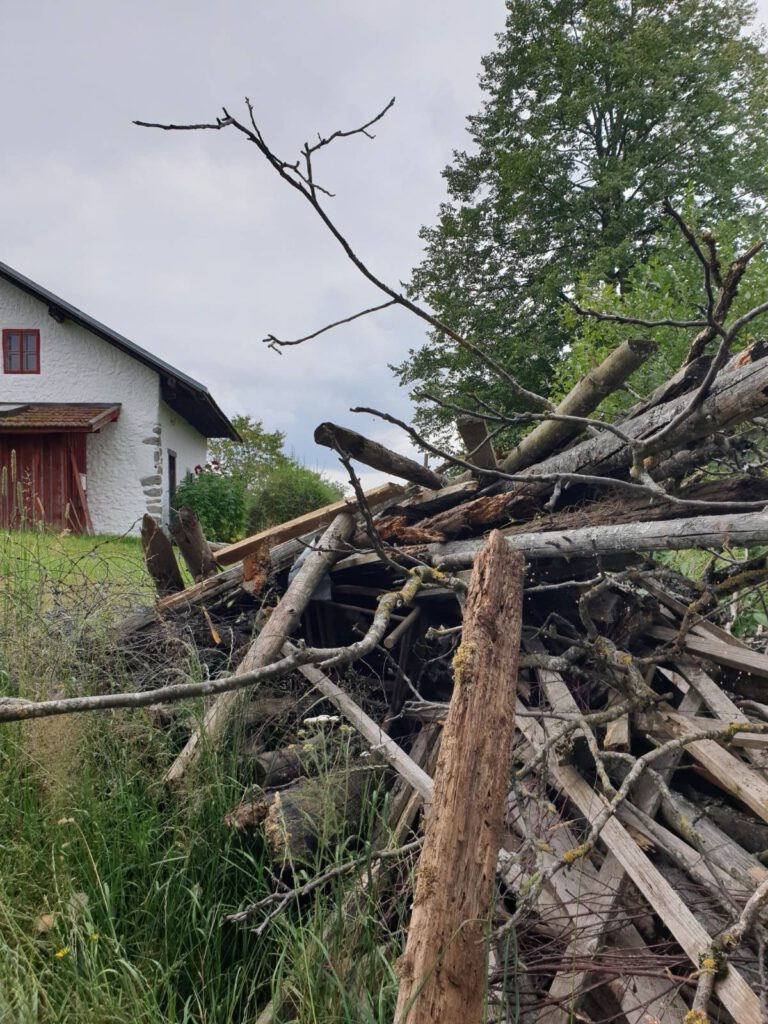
<point>184,394</point>
<point>65,416</point>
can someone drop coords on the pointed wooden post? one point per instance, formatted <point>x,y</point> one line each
<point>442,972</point>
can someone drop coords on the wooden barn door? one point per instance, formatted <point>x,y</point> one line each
<point>39,481</point>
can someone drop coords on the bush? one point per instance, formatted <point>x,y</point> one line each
<point>219,502</point>
<point>289,491</point>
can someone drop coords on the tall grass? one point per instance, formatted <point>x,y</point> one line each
<point>113,891</point>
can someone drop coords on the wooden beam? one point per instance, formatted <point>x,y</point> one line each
<point>442,972</point>
<point>307,523</point>
<point>477,442</point>
<point>740,658</point>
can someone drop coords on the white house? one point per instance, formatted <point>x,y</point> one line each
<point>94,430</point>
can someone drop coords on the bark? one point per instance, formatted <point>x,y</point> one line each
<point>739,530</point>
<point>190,540</point>
<point>583,399</point>
<point>375,455</point>
<point>266,647</point>
<point>442,969</point>
<point>159,558</point>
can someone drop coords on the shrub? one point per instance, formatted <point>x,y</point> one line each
<point>289,491</point>
<point>219,502</point>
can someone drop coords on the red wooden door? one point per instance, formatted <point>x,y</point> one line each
<point>37,483</point>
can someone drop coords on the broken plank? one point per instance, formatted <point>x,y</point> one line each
<point>740,658</point>
<point>303,524</point>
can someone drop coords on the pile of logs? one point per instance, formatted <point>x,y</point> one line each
<point>586,736</point>
<point>568,727</point>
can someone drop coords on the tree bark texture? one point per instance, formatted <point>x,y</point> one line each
<point>266,647</point>
<point>738,530</point>
<point>159,558</point>
<point>375,455</point>
<point>442,972</point>
<point>190,540</point>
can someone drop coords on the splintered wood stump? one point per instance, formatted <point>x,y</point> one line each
<point>159,558</point>
<point>190,539</point>
<point>442,972</point>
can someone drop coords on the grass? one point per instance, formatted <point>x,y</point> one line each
<point>114,891</point>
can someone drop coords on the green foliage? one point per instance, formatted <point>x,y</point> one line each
<point>219,502</point>
<point>289,491</point>
<point>251,459</point>
<point>594,111</point>
<point>668,285</point>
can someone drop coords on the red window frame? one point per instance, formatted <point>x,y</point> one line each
<point>21,331</point>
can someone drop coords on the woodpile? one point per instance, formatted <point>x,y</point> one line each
<point>566,725</point>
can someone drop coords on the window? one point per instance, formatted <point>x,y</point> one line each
<point>21,350</point>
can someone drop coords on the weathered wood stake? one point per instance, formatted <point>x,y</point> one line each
<point>159,558</point>
<point>442,972</point>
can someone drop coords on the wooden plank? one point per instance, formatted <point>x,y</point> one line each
<point>650,722</point>
<point>303,524</point>
<point>740,658</point>
<point>404,765</point>
<point>731,774</point>
<point>734,992</point>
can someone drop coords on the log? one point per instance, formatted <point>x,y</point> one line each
<point>327,808</point>
<point>286,764</point>
<point>371,453</point>
<point>582,400</point>
<point>266,647</point>
<point>442,969</point>
<point>190,540</point>
<point>159,558</point>
<point>738,530</point>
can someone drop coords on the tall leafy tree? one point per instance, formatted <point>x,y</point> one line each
<point>594,111</point>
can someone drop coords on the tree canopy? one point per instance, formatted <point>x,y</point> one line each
<point>595,110</point>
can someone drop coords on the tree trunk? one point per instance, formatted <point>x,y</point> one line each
<point>375,455</point>
<point>159,558</point>
<point>190,540</point>
<point>442,972</point>
<point>266,647</point>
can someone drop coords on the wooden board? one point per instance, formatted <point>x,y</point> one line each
<point>303,524</point>
<point>740,658</point>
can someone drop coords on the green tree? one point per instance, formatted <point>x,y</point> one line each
<point>251,459</point>
<point>594,111</point>
<point>219,502</point>
<point>289,491</point>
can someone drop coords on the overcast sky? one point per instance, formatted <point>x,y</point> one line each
<point>188,243</point>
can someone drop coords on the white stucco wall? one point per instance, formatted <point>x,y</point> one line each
<point>190,447</point>
<point>76,366</point>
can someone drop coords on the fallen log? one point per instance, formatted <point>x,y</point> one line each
<point>737,530</point>
<point>442,969</point>
<point>327,808</point>
<point>190,540</point>
<point>582,400</point>
<point>267,644</point>
<point>159,558</point>
<point>371,453</point>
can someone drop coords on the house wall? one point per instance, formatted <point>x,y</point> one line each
<point>76,366</point>
<point>190,446</point>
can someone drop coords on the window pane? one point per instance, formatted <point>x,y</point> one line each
<point>12,347</point>
<point>30,351</point>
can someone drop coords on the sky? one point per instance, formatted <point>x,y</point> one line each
<point>188,243</point>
